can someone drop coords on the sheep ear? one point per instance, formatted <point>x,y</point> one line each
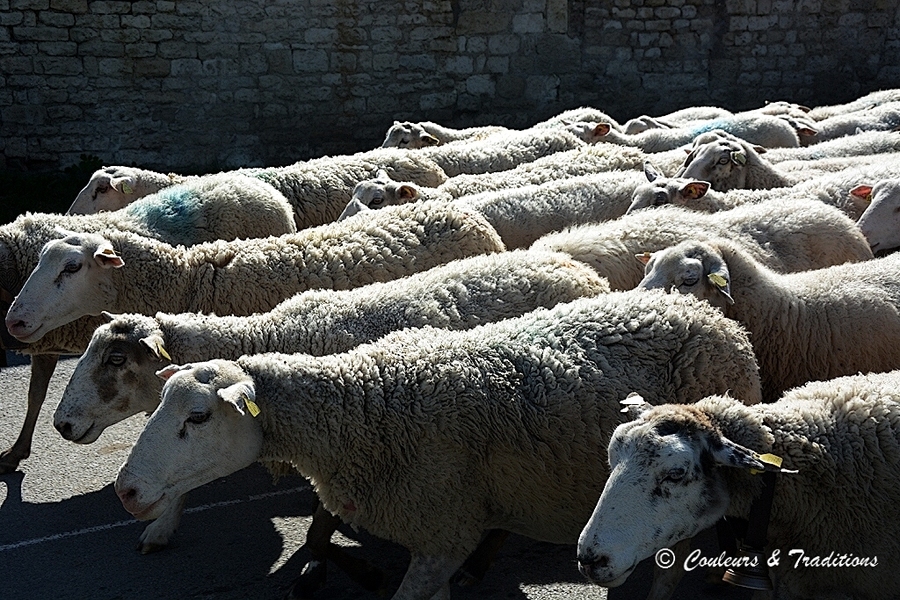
<point>156,346</point>
<point>739,157</point>
<point>863,192</point>
<point>601,129</point>
<point>106,257</point>
<point>382,174</point>
<point>170,370</point>
<point>719,279</point>
<point>644,257</point>
<point>123,184</point>
<point>694,190</point>
<point>430,140</point>
<point>730,454</point>
<point>634,405</point>
<point>651,171</point>
<point>806,132</point>
<point>242,395</point>
<point>760,149</point>
<point>406,192</point>
<point>108,317</point>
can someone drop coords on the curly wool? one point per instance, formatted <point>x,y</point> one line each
<point>320,188</point>
<point>499,152</point>
<point>501,426</point>
<point>591,159</point>
<point>523,214</point>
<point>843,436</point>
<point>795,235</point>
<point>247,276</point>
<point>815,324</point>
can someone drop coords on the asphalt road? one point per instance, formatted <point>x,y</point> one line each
<point>64,534</point>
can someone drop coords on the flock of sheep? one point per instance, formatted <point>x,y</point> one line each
<point>440,333</point>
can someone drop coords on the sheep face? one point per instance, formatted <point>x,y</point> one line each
<point>109,188</point>
<point>667,190</point>
<point>205,428</point>
<point>408,135</point>
<point>690,268</point>
<point>665,486</point>
<point>879,223</point>
<point>68,282</point>
<point>723,163</point>
<point>114,378</point>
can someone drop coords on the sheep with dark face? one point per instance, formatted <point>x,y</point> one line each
<point>677,469</point>
<point>429,437</point>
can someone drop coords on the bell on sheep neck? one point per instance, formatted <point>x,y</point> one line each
<point>752,572</point>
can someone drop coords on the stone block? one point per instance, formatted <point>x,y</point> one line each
<point>69,6</point>
<point>56,19</point>
<point>110,7</point>
<point>40,34</point>
<point>310,60</point>
<point>29,4</point>
<point>58,48</point>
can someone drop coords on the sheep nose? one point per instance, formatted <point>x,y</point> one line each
<point>65,429</point>
<point>15,325</point>
<point>588,561</point>
<point>128,497</point>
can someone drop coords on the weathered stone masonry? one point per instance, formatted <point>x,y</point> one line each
<point>207,84</point>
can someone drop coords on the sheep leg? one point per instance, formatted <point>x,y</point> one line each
<point>321,549</point>
<point>42,367</point>
<point>427,577</point>
<point>475,567</point>
<point>666,580</point>
<point>157,534</point>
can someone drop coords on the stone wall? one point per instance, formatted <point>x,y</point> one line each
<point>208,84</point>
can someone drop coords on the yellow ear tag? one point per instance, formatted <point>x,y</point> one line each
<point>717,280</point>
<point>869,198</point>
<point>252,408</point>
<point>739,158</point>
<point>162,351</point>
<point>767,459</point>
<point>126,189</point>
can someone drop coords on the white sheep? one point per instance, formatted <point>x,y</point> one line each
<point>112,188</point>
<point>189,213</point>
<point>430,437</point>
<point>795,235</point>
<point>678,118</point>
<point>861,143</point>
<point>498,152</point>
<point>695,194</point>
<point>863,103</point>
<point>812,325</point>
<point>676,470</point>
<point>320,188</point>
<point>584,113</point>
<point>383,191</point>
<point>523,214</point>
<point>115,378</point>
<point>765,130</point>
<point>83,274</point>
<point>422,134</point>
<point>595,158</point>
<point>879,221</point>
<point>884,117</point>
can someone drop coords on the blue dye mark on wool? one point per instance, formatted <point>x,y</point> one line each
<point>707,127</point>
<point>173,210</point>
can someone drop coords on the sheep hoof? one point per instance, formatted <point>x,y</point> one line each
<point>150,547</point>
<point>8,462</point>
<point>464,578</point>
<point>311,578</point>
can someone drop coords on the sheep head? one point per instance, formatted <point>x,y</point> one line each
<point>67,283</point>
<point>204,428</point>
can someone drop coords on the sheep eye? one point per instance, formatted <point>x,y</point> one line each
<point>690,280</point>
<point>116,359</point>
<point>676,474</point>
<point>72,267</point>
<point>101,188</point>
<point>377,201</point>
<point>198,417</point>
<point>724,160</point>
